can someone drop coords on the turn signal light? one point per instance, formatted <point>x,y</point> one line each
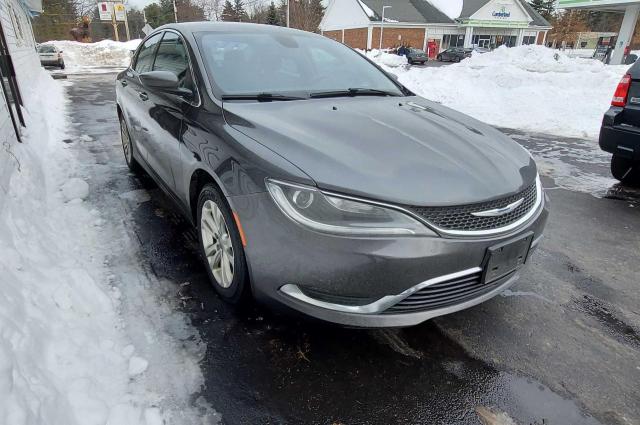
<point>622,91</point>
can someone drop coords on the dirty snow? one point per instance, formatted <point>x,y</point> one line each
<point>103,56</point>
<point>86,336</point>
<point>526,87</point>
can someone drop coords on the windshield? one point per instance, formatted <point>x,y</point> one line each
<point>277,63</point>
<point>46,49</point>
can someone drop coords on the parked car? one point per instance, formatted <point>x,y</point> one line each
<point>416,56</point>
<point>50,55</point>
<point>454,54</point>
<point>620,130</point>
<point>316,181</point>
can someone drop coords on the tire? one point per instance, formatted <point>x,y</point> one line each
<point>625,170</point>
<point>457,60</point>
<point>410,62</point>
<point>439,58</point>
<point>212,206</point>
<point>125,138</point>
<point>61,65</point>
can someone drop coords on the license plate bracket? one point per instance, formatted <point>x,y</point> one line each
<point>505,258</point>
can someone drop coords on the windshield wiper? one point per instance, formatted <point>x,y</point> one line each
<point>353,92</point>
<point>261,97</point>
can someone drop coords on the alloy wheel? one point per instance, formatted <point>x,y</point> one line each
<point>217,244</point>
<point>126,141</point>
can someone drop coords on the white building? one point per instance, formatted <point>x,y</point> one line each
<point>18,62</point>
<point>484,23</point>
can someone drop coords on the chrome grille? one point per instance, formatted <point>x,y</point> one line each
<point>460,218</point>
<point>444,294</point>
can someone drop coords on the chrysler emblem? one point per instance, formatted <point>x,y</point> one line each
<point>499,211</point>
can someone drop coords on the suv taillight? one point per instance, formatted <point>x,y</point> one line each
<point>620,96</point>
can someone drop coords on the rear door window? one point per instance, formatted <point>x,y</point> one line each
<point>144,60</point>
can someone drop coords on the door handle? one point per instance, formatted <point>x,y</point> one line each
<point>143,96</point>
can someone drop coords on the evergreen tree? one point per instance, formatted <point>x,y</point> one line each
<point>241,13</point>
<point>228,12</point>
<point>272,15</point>
<point>543,7</point>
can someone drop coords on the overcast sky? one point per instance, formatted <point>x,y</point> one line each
<point>140,4</point>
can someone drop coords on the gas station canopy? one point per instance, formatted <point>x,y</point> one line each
<point>596,4</point>
<point>631,9</point>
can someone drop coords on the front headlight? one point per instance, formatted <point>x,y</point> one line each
<point>330,214</point>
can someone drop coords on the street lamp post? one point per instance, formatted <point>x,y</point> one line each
<point>382,24</point>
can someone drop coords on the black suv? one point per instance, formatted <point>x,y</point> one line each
<point>620,131</point>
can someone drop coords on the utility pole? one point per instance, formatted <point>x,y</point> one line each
<point>175,11</point>
<point>114,22</point>
<point>382,24</point>
<point>126,24</point>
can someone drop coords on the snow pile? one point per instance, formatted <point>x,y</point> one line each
<point>95,56</point>
<point>532,88</point>
<point>381,57</point>
<point>451,8</point>
<point>82,341</point>
<point>370,13</point>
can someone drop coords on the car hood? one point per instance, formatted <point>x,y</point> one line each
<point>403,150</point>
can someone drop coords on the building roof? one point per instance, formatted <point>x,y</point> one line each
<point>413,11</point>
<point>472,6</point>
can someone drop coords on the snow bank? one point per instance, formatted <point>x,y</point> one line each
<point>390,60</point>
<point>82,342</point>
<point>95,56</point>
<point>532,88</point>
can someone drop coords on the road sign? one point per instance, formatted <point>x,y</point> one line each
<point>104,9</point>
<point>121,11</point>
<point>569,4</point>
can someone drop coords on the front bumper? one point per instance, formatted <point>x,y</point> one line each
<point>352,272</point>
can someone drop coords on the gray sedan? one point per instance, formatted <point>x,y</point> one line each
<point>320,184</point>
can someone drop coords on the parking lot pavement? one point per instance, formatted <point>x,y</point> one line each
<point>561,347</point>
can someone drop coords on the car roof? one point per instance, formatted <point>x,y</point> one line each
<point>208,26</point>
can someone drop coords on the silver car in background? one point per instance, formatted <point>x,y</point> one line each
<point>50,55</point>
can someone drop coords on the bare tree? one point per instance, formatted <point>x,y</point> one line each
<point>212,9</point>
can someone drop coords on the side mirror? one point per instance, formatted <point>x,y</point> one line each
<point>393,76</point>
<point>164,81</point>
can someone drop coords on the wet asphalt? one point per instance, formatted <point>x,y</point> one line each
<point>561,347</point>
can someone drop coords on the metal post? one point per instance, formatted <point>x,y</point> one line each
<point>626,33</point>
<point>382,24</point>
<point>175,11</point>
<point>288,12</point>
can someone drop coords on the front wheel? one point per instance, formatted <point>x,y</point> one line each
<point>439,58</point>
<point>221,246</point>
<point>625,170</point>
